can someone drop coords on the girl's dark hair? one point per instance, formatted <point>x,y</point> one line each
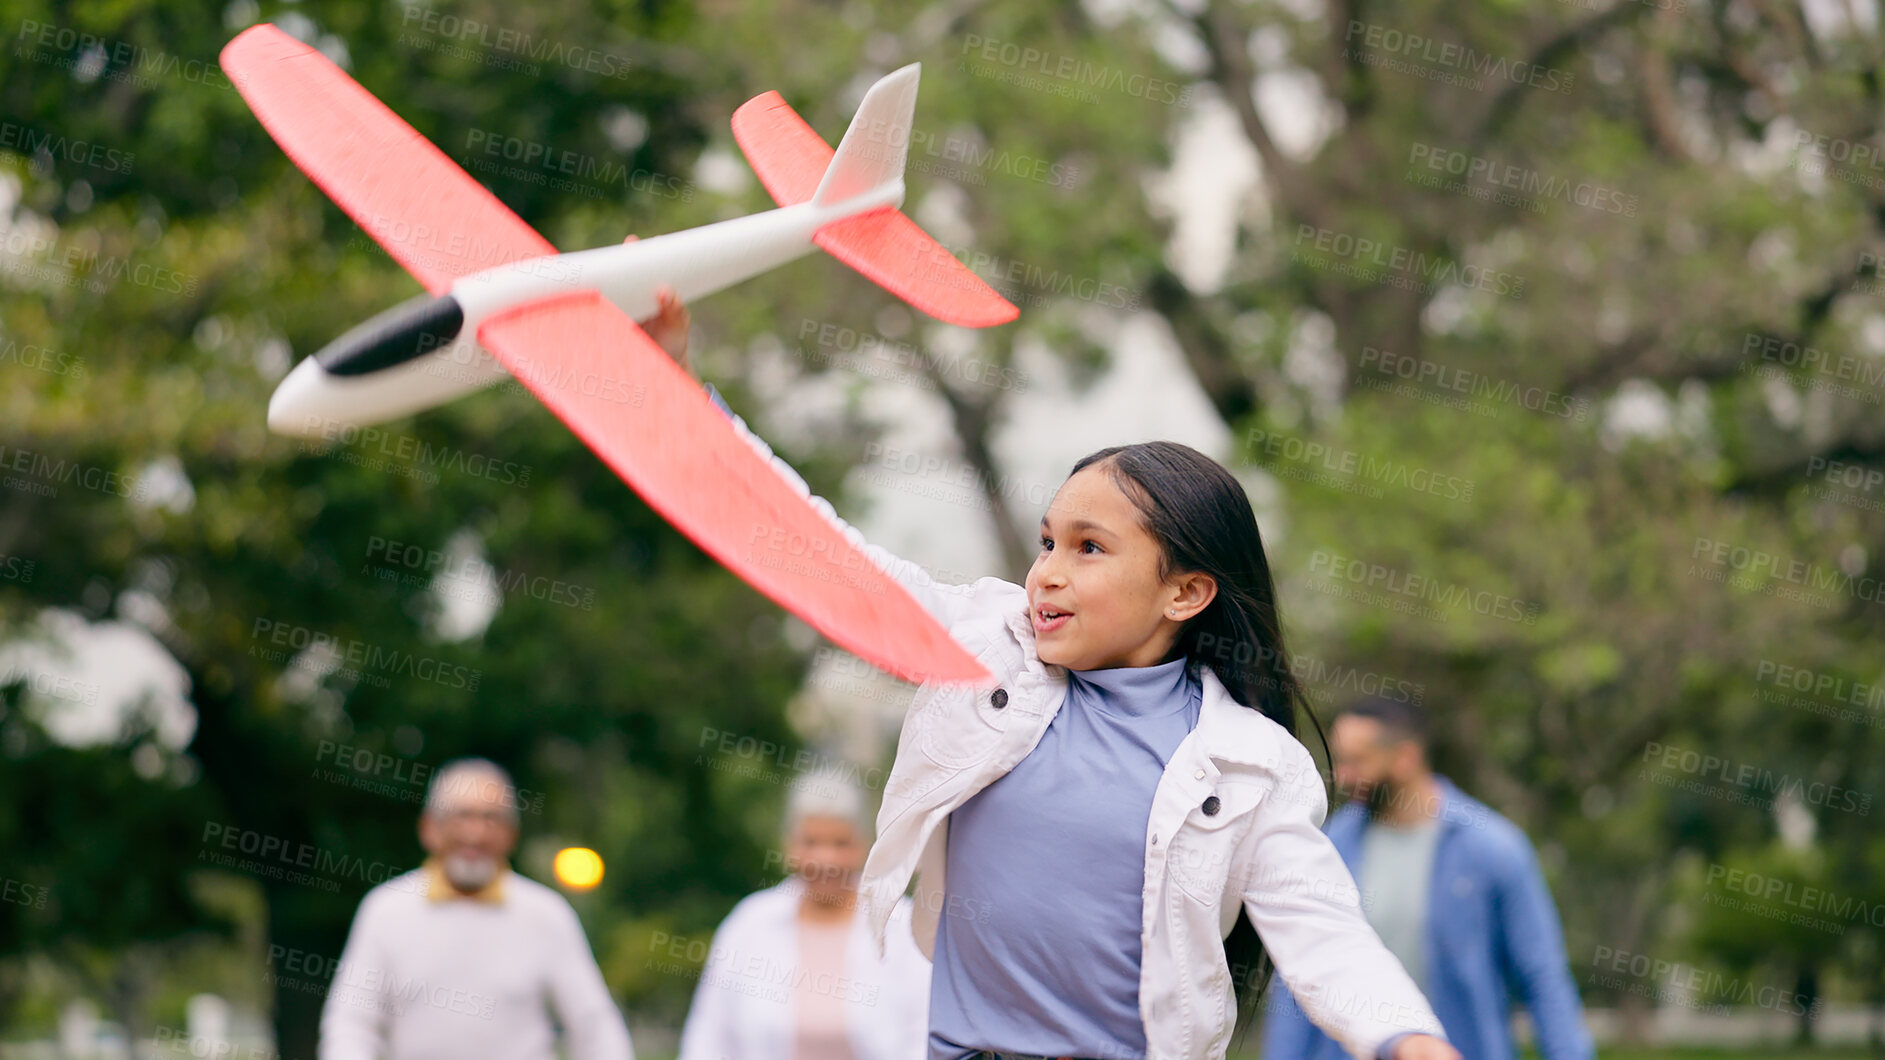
<point>1200,516</point>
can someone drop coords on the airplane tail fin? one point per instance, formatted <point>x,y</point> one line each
<point>796,166</point>
<point>876,144</point>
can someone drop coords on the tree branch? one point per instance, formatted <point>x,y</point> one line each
<point>1506,103</point>
<point>1205,349</point>
<point>1229,46</point>
<point>974,421</point>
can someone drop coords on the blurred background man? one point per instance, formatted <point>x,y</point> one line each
<point>463,957</point>
<point>1454,890</point>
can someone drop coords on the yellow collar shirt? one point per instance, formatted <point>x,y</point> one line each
<point>440,889</point>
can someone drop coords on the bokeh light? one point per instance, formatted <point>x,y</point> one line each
<point>578,868</point>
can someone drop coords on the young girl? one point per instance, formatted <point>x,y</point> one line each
<point>1089,837</point>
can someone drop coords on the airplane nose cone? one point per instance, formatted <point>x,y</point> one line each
<point>300,405</point>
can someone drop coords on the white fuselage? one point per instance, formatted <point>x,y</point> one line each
<point>695,263</point>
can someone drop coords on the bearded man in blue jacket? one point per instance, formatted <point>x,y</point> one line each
<point>1454,890</point>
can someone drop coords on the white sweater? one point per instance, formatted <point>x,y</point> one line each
<point>423,979</point>
<point>745,1006</point>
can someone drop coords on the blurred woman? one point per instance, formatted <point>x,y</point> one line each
<point>794,974</point>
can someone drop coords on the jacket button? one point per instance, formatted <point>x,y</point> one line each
<point>998,698</point>
<point>1210,805</point>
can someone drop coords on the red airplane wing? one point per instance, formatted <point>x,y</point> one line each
<point>427,213</point>
<point>579,354</point>
<point>650,422</point>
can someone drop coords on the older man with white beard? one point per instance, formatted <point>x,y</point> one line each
<point>463,957</point>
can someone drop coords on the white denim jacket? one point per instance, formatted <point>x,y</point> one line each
<point>1258,846</point>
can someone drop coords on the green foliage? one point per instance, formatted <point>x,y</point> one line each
<point>1543,572</point>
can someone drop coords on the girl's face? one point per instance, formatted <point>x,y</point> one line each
<point>1094,593</point>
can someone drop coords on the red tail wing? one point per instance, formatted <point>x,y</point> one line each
<point>885,245</point>
<point>890,250</point>
<point>789,156</point>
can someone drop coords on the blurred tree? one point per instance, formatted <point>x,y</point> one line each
<point>168,285</point>
<point>1566,295</point>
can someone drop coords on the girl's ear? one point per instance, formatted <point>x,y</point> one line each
<point>1196,590</point>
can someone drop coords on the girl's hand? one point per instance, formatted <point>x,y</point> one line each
<point>668,327</point>
<point>1424,1047</point>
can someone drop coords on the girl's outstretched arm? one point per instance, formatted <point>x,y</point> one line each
<point>948,603</point>
<point>1304,904</point>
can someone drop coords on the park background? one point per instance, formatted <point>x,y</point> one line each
<point>1546,336</point>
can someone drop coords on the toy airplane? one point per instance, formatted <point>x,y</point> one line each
<point>564,324</point>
